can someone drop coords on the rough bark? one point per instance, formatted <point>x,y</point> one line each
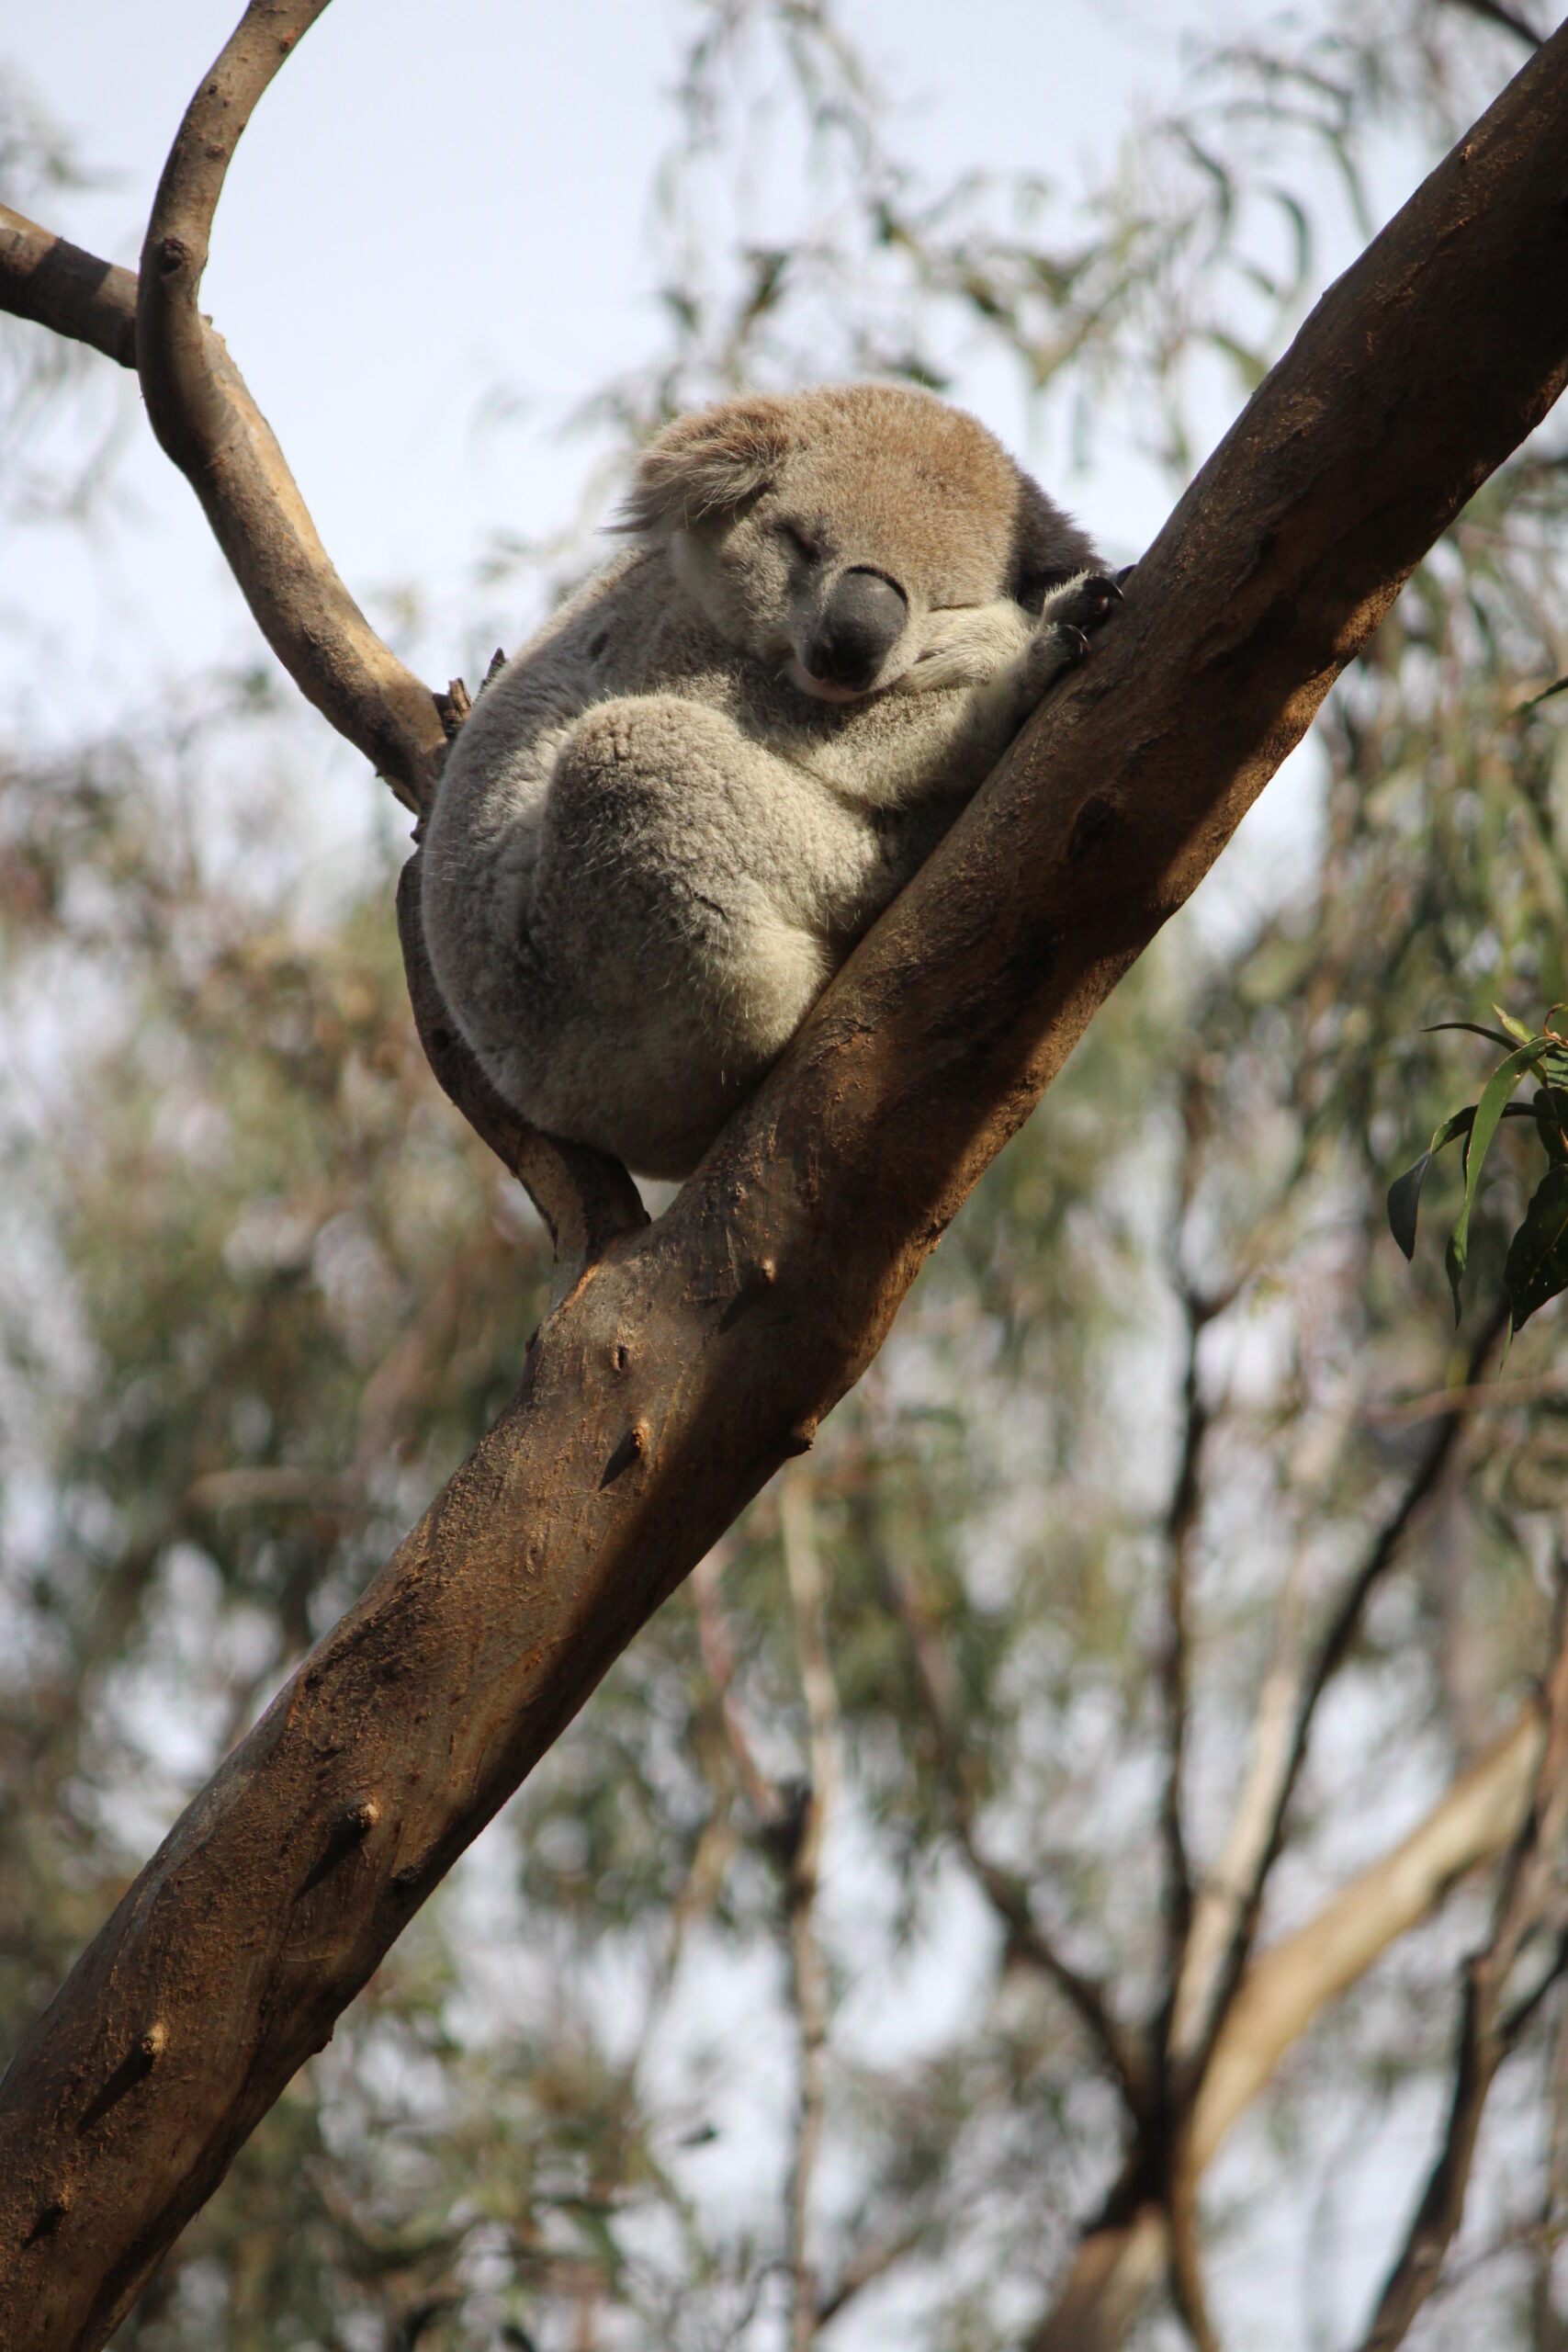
<point>695,1356</point>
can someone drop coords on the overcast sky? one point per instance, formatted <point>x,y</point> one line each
<point>429,203</point>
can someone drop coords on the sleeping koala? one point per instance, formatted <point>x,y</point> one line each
<point>671,815</point>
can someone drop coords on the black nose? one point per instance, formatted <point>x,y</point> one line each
<point>860,625</point>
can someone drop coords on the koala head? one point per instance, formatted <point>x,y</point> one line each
<point>818,531</point>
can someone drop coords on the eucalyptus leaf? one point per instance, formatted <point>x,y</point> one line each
<point>1404,1192</point>
<point>1536,1265</point>
<point>1489,1113</point>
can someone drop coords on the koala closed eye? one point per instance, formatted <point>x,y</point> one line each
<point>673,814</point>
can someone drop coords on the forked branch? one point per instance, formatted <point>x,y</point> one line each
<point>1529,1904</point>
<point>206,421</point>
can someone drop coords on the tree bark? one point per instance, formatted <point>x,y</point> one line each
<point>694,1357</point>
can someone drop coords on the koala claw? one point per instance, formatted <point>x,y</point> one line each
<point>1076,641</point>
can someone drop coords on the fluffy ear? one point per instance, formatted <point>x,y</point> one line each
<point>704,465</point>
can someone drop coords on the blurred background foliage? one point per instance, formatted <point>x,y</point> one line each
<point>751,2015</point>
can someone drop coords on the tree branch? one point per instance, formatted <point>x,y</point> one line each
<point>58,285</point>
<point>698,1354</point>
<point>1288,1984</point>
<point>1494,12</point>
<point>207,422</point>
<point>1487,2032</point>
<point>1332,1651</point>
<point>809,1976</point>
<point>1119,2260</point>
<point>1007,1894</point>
<point>209,425</point>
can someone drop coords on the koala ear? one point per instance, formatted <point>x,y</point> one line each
<point>1047,547</point>
<point>704,465</point>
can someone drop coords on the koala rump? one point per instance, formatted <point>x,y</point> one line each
<point>671,815</point>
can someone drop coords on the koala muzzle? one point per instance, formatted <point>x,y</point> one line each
<point>859,625</point>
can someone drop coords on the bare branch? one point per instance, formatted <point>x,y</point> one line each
<point>1183,1516</point>
<point>696,1356</point>
<point>207,422</point>
<point>57,285</point>
<point>1288,1985</point>
<point>1114,2267</point>
<point>1333,1649</point>
<point>1006,1893</point>
<point>1486,2034</point>
<point>1494,12</point>
<point>1224,1894</point>
<point>803,1565</point>
<point>1181,1534</point>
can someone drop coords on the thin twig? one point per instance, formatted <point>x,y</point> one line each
<point>1006,1893</point>
<point>1529,1885</point>
<point>1333,1649</point>
<point>718,1657</point>
<point>803,1565</point>
<point>1509,19</point>
<point>1171,1665</point>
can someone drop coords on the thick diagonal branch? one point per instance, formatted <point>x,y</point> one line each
<point>696,1356</point>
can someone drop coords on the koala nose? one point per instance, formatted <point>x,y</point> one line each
<point>860,625</point>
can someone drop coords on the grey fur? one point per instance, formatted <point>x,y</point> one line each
<point>659,834</point>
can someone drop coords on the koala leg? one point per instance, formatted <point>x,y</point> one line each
<point>683,918</point>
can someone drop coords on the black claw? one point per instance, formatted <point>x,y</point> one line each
<point>1077,642</point>
<point>1092,601</point>
<point>1126,573</point>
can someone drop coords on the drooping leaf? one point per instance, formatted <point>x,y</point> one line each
<point>1550,1108</point>
<point>1536,1265</point>
<point>1404,1192</point>
<point>1473,1029</point>
<point>1488,1117</point>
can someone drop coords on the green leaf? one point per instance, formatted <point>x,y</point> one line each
<point>1550,1109</point>
<point>1519,1033</point>
<point>1476,1029</point>
<point>1404,1192</point>
<point>1536,1266</point>
<point>1488,1117</point>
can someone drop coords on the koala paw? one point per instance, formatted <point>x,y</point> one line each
<point>1085,603</point>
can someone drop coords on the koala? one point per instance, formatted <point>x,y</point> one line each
<point>673,814</point>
